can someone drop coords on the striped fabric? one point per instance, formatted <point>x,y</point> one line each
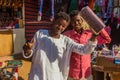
<point>31,13</point>
<point>32,27</point>
<point>31,10</point>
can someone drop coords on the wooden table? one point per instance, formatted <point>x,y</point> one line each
<point>105,69</point>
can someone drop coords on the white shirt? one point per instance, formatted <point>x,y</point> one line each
<point>51,56</point>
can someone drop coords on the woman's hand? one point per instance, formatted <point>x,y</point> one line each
<point>94,36</point>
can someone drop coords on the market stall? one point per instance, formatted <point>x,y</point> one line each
<point>11,22</point>
<point>107,65</point>
<point>11,13</point>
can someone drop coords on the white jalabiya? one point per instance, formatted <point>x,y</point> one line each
<point>51,56</point>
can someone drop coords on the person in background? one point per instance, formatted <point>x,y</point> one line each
<point>51,50</point>
<point>80,67</point>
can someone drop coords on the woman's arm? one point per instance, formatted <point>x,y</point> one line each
<point>103,37</point>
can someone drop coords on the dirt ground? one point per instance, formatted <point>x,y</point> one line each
<point>24,70</point>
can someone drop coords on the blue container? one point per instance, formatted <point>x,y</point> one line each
<point>16,25</point>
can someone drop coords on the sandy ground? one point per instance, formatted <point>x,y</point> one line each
<point>24,70</point>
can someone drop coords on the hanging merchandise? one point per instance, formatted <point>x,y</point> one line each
<point>10,10</point>
<point>116,3</point>
<point>86,2</point>
<point>18,8</point>
<point>102,5</point>
<point>58,1</point>
<point>106,5</point>
<point>73,5</point>
<point>97,8</point>
<point>116,12</point>
<point>91,4</point>
<point>82,3</point>
<point>41,9</point>
<point>110,9</point>
<point>103,8</point>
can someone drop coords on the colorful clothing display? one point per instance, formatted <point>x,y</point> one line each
<point>91,4</point>
<point>104,8</point>
<point>41,6</point>
<point>73,5</point>
<point>110,8</point>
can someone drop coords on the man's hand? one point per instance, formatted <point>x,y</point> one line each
<point>27,47</point>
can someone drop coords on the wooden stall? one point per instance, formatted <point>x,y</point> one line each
<point>106,69</point>
<point>6,42</point>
